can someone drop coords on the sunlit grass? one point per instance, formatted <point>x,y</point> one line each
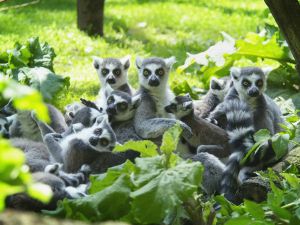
<point>146,28</point>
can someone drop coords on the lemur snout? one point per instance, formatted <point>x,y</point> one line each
<point>111,80</point>
<point>153,81</point>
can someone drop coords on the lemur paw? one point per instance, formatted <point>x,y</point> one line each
<point>56,136</point>
<point>85,169</point>
<point>212,120</point>
<point>187,131</point>
<point>53,168</point>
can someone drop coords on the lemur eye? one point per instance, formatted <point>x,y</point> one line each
<point>98,131</point>
<point>93,141</point>
<point>6,126</point>
<point>117,72</point>
<point>160,72</point>
<point>173,106</point>
<point>122,106</point>
<point>103,142</point>
<point>110,100</point>
<point>246,83</point>
<point>146,72</point>
<point>104,72</point>
<point>259,83</point>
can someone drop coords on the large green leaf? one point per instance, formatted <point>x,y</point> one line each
<point>42,54</point>
<point>43,80</point>
<point>146,148</point>
<point>109,204</point>
<point>164,193</point>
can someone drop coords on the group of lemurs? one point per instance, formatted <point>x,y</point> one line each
<point>66,151</point>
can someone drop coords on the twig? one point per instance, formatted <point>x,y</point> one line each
<point>18,6</point>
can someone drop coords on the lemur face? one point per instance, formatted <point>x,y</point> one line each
<point>180,106</point>
<point>249,81</point>
<point>102,137</point>
<point>154,72</point>
<point>112,71</point>
<point>121,106</point>
<point>220,87</point>
<point>4,127</point>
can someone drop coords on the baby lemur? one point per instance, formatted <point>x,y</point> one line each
<point>151,120</point>
<point>247,109</point>
<point>112,73</point>
<point>206,137</point>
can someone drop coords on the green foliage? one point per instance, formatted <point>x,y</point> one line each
<point>153,190</point>
<point>281,207</point>
<point>15,177</point>
<point>32,64</point>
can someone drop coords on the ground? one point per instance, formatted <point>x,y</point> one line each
<point>140,27</point>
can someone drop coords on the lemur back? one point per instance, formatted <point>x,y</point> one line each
<point>247,109</point>
<point>112,73</point>
<point>151,120</point>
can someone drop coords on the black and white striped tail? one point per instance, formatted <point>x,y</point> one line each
<point>70,179</point>
<point>240,131</point>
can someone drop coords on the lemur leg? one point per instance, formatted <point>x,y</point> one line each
<point>51,141</point>
<point>217,113</point>
<point>44,128</point>
<point>216,150</point>
<point>156,127</point>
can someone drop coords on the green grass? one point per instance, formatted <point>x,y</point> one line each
<point>172,28</point>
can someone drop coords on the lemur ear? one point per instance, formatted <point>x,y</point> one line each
<point>170,61</point>
<point>97,62</point>
<point>136,101</point>
<point>125,61</point>
<point>215,84</point>
<point>235,72</point>
<point>267,70</point>
<point>138,62</point>
<point>188,95</point>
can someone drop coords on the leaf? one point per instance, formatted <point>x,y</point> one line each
<point>292,179</point>
<point>244,220</point>
<point>163,194</point>
<point>262,135</point>
<point>280,144</point>
<point>257,45</point>
<point>146,148</point>
<point>254,209</point>
<point>170,139</point>
<point>42,54</point>
<point>41,192</point>
<point>43,80</point>
<point>102,181</point>
<point>109,204</point>
<point>183,88</point>
<point>24,98</point>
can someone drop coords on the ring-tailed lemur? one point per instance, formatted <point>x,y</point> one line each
<point>22,124</point>
<point>206,137</point>
<point>83,145</point>
<point>112,73</point>
<point>5,123</point>
<point>121,109</point>
<point>88,114</point>
<point>151,120</point>
<point>217,91</point>
<point>71,110</point>
<point>247,109</point>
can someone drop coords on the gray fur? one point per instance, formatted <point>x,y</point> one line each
<point>213,171</point>
<point>106,69</point>
<point>24,126</point>
<point>151,120</point>
<point>215,95</point>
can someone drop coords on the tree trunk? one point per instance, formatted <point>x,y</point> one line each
<point>90,15</point>
<point>287,16</point>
